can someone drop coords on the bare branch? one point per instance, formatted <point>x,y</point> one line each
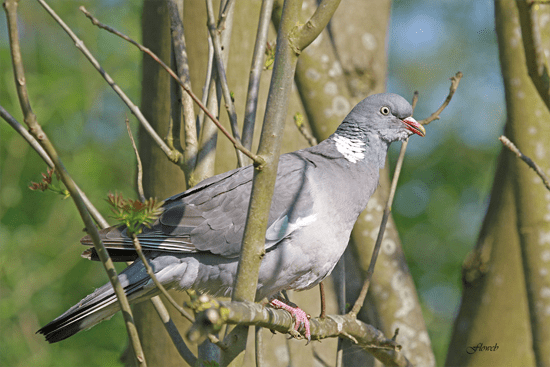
<point>305,34</point>
<point>454,85</point>
<point>96,215</point>
<point>182,66</point>
<point>387,211</point>
<point>270,144</point>
<point>36,130</point>
<point>172,330</point>
<point>361,299</point>
<point>508,144</point>
<point>172,155</point>
<point>151,274</point>
<point>207,81</point>
<point>257,160</point>
<point>224,14</point>
<point>256,73</point>
<point>303,129</point>
<point>222,77</point>
<point>139,165</point>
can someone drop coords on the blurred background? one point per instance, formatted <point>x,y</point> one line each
<point>440,203</point>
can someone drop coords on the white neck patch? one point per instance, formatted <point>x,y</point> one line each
<point>351,149</point>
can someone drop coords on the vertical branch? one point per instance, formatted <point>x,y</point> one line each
<point>255,73</point>
<point>182,67</point>
<point>222,77</point>
<point>206,86</point>
<point>270,142</point>
<point>455,80</point>
<point>263,183</point>
<point>204,166</point>
<point>35,129</point>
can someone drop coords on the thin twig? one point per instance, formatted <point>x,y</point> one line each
<point>454,85</point>
<point>159,306</point>
<point>36,130</point>
<point>206,156</point>
<point>139,165</point>
<point>258,345</point>
<point>339,277</point>
<point>96,215</point>
<point>370,271</point>
<point>135,240</point>
<point>151,273</point>
<point>508,144</point>
<point>173,331</point>
<point>182,67</point>
<point>361,299</point>
<point>222,77</point>
<point>304,130</point>
<point>256,73</point>
<point>224,14</point>
<point>206,86</point>
<point>172,155</point>
<point>257,160</point>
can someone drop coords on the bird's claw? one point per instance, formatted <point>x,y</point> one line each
<point>301,318</point>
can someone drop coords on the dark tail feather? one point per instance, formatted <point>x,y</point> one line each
<point>100,305</point>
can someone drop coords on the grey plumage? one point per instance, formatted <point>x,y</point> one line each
<point>195,243</point>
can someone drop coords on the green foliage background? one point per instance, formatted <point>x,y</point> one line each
<point>440,201</point>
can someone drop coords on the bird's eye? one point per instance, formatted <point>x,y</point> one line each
<point>385,110</point>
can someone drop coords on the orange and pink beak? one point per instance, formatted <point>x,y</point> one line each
<point>414,126</point>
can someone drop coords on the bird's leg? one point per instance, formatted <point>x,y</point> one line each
<point>323,305</point>
<point>300,316</point>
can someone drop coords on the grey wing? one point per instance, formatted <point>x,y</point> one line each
<point>211,216</point>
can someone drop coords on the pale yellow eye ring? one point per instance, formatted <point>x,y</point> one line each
<point>385,110</point>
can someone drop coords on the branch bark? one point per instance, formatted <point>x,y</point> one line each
<point>249,313</point>
<point>537,63</point>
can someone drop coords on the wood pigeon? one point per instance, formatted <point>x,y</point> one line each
<point>195,243</point>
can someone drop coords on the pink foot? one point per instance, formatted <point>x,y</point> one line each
<point>299,315</point>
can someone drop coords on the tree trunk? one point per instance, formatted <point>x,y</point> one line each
<point>161,178</point>
<point>505,301</point>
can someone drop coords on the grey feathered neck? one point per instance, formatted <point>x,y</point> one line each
<point>367,145</point>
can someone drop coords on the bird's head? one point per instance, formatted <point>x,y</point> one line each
<point>387,114</point>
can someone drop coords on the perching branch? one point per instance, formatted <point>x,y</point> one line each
<point>454,85</point>
<point>434,116</point>
<point>35,129</point>
<point>508,144</point>
<point>257,160</point>
<point>248,313</point>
